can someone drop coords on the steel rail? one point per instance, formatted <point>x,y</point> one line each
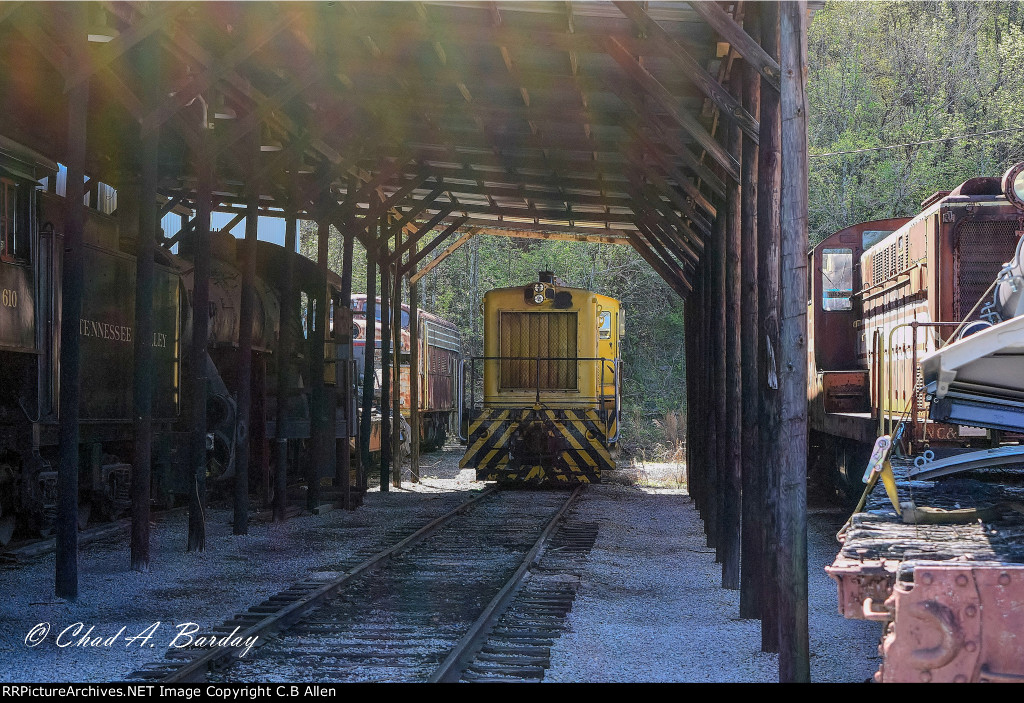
<point>451,668</point>
<point>288,615</point>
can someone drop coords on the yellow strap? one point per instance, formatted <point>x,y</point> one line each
<point>889,481</point>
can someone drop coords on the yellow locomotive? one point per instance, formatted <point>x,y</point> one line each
<point>551,385</point>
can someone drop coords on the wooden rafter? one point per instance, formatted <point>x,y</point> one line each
<point>669,103</point>
<point>739,40</point>
<point>690,67</point>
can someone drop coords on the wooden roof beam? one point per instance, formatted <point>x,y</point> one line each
<point>669,103</point>
<point>648,217</point>
<point>417,208</point>
<point>219,68</point>
<point>665,245</point>
<point>652,198</point>
<point>256,118</point>
<point>135,33</point>
<point>442,256</point>
<point>568,236</point>
<point>375,210</point>
<point>739,40</point>
<point>690,67</point>
<point>184,45</point>
<point>673,279</point>
<point>422,232</point>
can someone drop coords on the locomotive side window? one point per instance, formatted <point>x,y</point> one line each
<point>14,221</point>
<point>604,325</point>
<point>836,279</point>
<point>7,205</point>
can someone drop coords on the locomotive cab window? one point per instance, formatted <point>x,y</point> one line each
<point>14,225</point>
<point>604,325</point>
<point>836,279</point>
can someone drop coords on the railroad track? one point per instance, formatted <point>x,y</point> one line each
<point>434,604</point>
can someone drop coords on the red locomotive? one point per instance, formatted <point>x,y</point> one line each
<point>883,294</point>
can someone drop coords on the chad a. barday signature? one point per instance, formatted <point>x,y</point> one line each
<point>80,635</point>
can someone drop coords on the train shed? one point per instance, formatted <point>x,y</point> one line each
<point>676,128</point>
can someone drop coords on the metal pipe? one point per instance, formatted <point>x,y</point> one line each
<point>618,402</point>
<point>460,395</point>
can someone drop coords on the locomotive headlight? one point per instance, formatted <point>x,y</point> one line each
<point>539,298</point>
<point>538,287</point>
<point>1013,185</point>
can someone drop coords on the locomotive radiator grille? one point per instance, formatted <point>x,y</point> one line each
<point>979,251</point>
<point>537,334</point>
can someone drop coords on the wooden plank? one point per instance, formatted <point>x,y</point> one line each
<point>689,67</point>
<point>794,650</point>
<point>670,104</point>
<point>739,40</point>
<point>681,180</point>
<point>717,311</point>
<point>369,351</point>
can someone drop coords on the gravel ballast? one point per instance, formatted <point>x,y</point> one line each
<point>649,607</point>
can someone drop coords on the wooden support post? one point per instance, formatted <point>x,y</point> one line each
<point>385,372</point>
<point>243,381</point>
<point>66,568</point>
<point>321,427</point>
<point>345,380</point>
<point>143,371</point>
<point>751,569</point>
<point>794,655</point>
<point>369,375</point>
<point>692,337</point>
<point>717,308</point>
<point>769,178</point>
<point>414,378</point>
<point>285,357</point>
<point>198,356</point>
<point>731,476</point>
<point>396,382</point>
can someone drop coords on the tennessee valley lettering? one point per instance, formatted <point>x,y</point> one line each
<point>115,333</point>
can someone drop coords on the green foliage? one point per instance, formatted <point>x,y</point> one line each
<point>885,73</point>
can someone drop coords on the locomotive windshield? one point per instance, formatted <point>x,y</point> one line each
<point>836,279</point>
